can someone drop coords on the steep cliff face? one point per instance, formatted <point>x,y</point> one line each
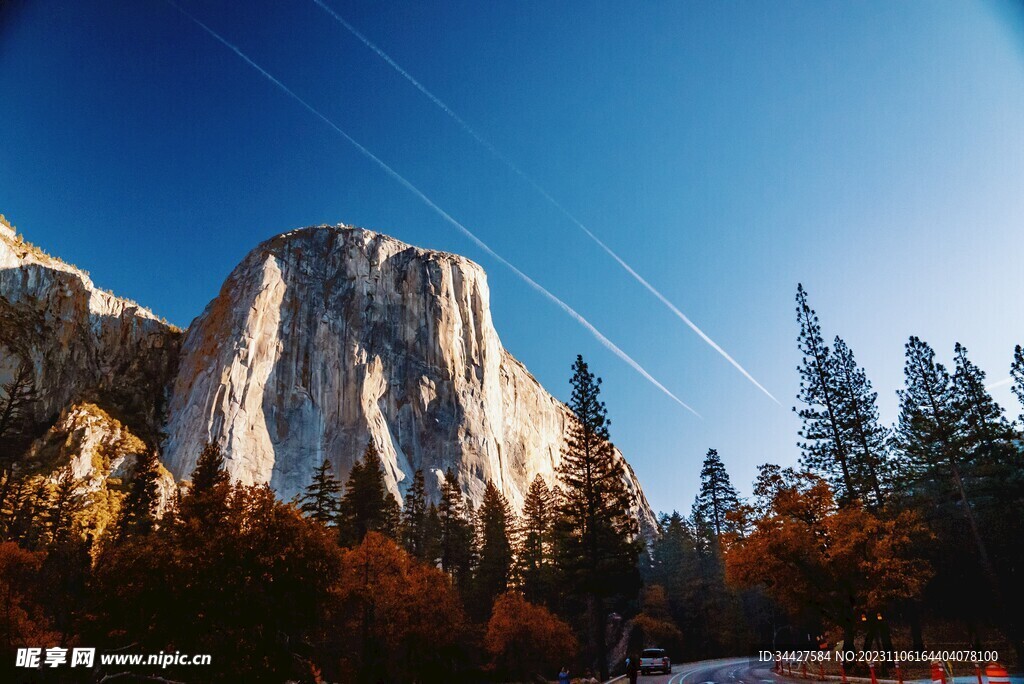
<point>327,337</point>
<point>80,342</point>
<point>320,340</point>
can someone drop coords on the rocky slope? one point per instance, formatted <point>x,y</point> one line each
<point>99,453</point>
<point>326,337</point>
<point>80,342</point>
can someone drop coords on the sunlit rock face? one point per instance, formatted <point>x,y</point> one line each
<point>100,454</point>
<point>327,337</point>
<point>80,342</point>
<point>320,340</point>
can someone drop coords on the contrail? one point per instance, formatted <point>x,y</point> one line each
<point>1001,383</point>
<point>608,344</point>
<point>544,193</point>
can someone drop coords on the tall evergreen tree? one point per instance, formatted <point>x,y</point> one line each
<point>598,549</point>
<point>16,399</point>
<point>138,512</point>
<point>209,472</point>
<point>414,518</point>
<point>713,604</point>
<point>65,504</point>
<point>495,520</point>
<point>717,497</point>
<point>206,502</point>
<point>367,503</point>
<point>457,534</point>
<point>824,447</point>
<point>928,437</point>
<point>321,500</point>
<point>432,536</point>
<point>533,561</point>
<point>986,437</point>
<point>864,435</point>
<point>391,525</point>
<point>1017,376</point>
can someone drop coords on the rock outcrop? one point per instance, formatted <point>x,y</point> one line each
<point>100,454</point>
<point>80,342</point>
<point>327,337</point>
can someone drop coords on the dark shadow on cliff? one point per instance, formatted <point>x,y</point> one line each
<point>124,364</point>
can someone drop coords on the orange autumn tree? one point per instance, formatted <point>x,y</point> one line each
<point>823,562</point>
<point>525,639</point>
<point>400,620</point>
<point>22,618</point>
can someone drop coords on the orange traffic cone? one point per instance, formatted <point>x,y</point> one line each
<point>997,674</point>
<point>938,673</point>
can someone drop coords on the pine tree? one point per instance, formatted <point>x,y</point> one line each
<point>209,472</point>
<point>364,507</point>
<point>414,518</point>
<point>927,436</point>
<point>717,497</point>
<point>456,532</point>
<point>598,551</point>
<point>65,504</point>
<point>391,523</point>
<point>138,512</point>
<point>205,504</point>
<point>321,499</point>
<point>986,437</point>
<point>432,536</point>
<point>824,447</point>
<point>866,438</point>
<point>494,520</point>
<point>1017,376</point>
<point>16,400</point>
<point>534,565</point>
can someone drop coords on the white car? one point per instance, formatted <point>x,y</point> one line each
<point>655,660</point>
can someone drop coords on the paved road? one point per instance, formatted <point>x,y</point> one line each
<point>746,671</point>
<point>730,671</point>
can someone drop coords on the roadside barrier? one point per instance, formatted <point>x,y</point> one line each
<point>997,674</point>
<point>874,679</point>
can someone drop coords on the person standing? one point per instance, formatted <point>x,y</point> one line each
<point>563,676</point>
<point>632,669</point>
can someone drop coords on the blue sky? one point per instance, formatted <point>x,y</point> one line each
<point>727,151</point>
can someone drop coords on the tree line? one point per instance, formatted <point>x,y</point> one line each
<point>340,584</point>
<point>878,529</point>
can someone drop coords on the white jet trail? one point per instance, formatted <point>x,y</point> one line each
<point>544,193</point>
<point>1001,383</point>
<point>608,344</point>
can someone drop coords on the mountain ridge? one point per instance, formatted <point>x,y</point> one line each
<point>325,337</point>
